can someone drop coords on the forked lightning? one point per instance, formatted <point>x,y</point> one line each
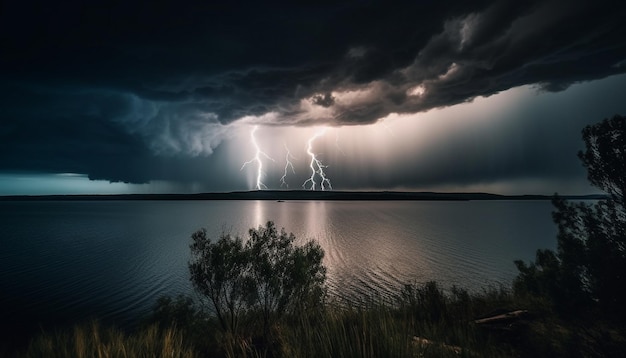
<point>316,165</point>
<point>288,164</point>
<point>257,159</point>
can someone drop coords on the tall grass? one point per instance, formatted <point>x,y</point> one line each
<point>87,341</point>
<point>348,332</point>
<point>422,321</point>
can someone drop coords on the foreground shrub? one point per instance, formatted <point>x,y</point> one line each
<point>265,277</point>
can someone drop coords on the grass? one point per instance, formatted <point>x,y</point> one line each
<point>422,321</point>
<point>95,341</point>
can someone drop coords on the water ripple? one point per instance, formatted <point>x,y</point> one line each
<point>114,259</point>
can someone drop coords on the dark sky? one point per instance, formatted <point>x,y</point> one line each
<point>420,95</point>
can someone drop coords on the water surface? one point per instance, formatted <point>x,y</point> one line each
<point>64,261</point>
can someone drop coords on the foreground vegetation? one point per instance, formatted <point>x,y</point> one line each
<point>266,297</point>
<point>422,321</point>
<point>92,340</point>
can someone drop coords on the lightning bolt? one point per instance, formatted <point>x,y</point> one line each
<point>257,159</point>
<point>288,165</point>
<point>316,165</point>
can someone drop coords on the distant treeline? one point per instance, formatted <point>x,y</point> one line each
<point>303,195</point>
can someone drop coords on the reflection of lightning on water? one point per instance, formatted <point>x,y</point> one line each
<point>288,165</point>
<point>257,159</point>
<point>316,165</point>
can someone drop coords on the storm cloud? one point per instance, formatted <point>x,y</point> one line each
<point>117,90</point>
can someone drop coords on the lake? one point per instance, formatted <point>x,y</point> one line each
<point>63,261</point>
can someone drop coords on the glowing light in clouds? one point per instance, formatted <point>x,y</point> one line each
<point>257,159</point>
<point>288,165</point>
<point>316,165</point>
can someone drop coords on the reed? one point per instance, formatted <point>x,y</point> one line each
<point>420,321</point>
<point>404,327</point>
<point>92,340</point>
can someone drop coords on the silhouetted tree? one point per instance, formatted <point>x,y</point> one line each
<point>590,263</point>
<point>605,157</point>
<point>220,271</point>
<point>268,274</point>
<point>286,277</point>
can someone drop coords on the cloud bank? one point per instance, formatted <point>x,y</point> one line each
<point>138,92</point>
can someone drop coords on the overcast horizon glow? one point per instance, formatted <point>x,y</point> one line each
<point>481,135</point>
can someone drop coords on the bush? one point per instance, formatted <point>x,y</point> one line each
<point>266,276</point>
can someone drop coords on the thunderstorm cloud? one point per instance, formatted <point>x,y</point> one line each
<point>134,91</point>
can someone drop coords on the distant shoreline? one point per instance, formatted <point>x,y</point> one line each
<point>284,195</point>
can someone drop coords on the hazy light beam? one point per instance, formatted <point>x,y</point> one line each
<point>288,165</point>
<point>337,144</point>
<point>257,159</point>
<point>316,165</point>
<point>388,129</point>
